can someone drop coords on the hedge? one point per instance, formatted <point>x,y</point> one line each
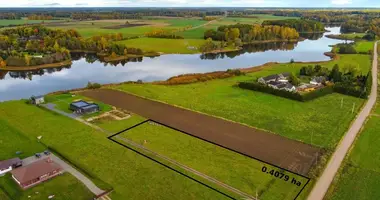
<point>283,93</point>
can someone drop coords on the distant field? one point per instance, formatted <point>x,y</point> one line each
<point>127,172</point>
<point>6,22</point>
<point>214,161</point>
<point>312,122</point>
<point>99,27</point>
<point>359,177</point>
<point>165,45</point>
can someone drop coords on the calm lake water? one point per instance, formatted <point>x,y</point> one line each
<point>17,85</point>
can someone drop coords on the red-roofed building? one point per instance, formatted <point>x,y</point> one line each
<point>35,173</point>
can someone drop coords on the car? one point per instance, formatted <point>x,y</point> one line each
<point>47,152</point>
<point>37,155</point>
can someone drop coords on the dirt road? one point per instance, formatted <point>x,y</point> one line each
<point>277,150</point>
<point>327,177</point>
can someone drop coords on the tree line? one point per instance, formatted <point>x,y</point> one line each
<point>248,33</point>
<point>36,45</point>
<point>299,25</point>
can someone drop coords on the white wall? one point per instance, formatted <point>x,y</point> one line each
<point>5,170</point>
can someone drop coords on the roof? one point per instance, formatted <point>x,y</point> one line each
<point>35,170</point>
<point>286,74</point>
<point>275,83</point>
<point>90,106</point>
<point>7,163</point>
<point>80,104</point>
<point>37,97</point>
<point>270,77</point>
<point>285,85</point>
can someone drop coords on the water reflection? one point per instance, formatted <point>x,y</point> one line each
<point>88,67</point>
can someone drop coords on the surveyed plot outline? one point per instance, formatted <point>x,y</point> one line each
<point>244,195</point>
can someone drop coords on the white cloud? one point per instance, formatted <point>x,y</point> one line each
<point>341,2</point>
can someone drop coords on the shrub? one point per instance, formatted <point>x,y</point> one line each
<point>93,85</point>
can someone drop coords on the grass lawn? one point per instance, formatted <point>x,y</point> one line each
<point>116,126</point>
<point>364,46</point>
<point>63,101</point>
<point>3,195</point>
<point>12,140</point>
<point>63,187</point>
<point>214,161</point>
<point>359,177</point>
<point>352,36</point>
<point>173,46</point>
<point>128,173</point>
<point>313,122</point>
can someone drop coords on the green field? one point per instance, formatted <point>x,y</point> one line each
<point>101,27</point>
<point>12,140</point>
<point>214,161</point>
<point>180,46</point>
<point>6,22</point>
<point>363,46</point>
<point>127,172</point>
<point>312,122</point>
<point>64,187</point>
<point>359,177</point>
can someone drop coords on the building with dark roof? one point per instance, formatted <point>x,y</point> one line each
<point>275,78</point>
<point>35,173</point>
<point>83,107</point>
<point>37,100</point>
<point>8,165</point>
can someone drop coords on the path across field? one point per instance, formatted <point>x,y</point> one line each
<point>274,149</point>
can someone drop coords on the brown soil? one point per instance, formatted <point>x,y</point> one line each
<point>124,26</point>
<point>277,150</point>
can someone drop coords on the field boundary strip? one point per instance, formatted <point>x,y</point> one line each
<point>187,176</point>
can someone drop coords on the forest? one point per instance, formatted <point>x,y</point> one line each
<point>248,33</point>
<point>299,25</point>
<point>37,45</point>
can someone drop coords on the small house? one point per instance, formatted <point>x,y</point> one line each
<point>35,173</point>
<point>283,77</point>
<point>8,165</point>
<point>318,80</point>
<point>36,100</point>
<point>83,107</point>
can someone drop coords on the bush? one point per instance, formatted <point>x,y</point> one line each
<point>93,85</point>
<point>347,49</point>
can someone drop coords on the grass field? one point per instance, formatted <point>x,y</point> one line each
<point>12,140</point>
<point>165,45</point>
<point>363,46</point>
<point>312,122</point>
<point>215,161</point>
<point>6,22</point>
<point>64,187</point>
<point>359,177</point>
<point>128,172</point>
<point>99,27</point>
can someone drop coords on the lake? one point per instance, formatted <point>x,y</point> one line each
<point>17,85</point>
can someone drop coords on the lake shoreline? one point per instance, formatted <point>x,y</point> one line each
<point>36,67</point>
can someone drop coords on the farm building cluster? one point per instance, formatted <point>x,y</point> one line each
<point>281,82</point>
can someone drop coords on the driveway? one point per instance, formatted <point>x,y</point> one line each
<point>333,165</point>
<point>67,168</point>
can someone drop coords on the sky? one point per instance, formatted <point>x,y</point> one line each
<point>190,3</point>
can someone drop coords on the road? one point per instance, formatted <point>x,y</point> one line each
<point>67,168</point>
<point>336,160</point>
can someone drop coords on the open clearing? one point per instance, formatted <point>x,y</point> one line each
<point>274,149</point>
<point>214,161</point>
<point>127,172</point>
<point>6,22</point>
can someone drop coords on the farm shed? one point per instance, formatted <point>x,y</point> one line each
<point>35,173</point>
<point>82,107</point>
<point>8,165</point>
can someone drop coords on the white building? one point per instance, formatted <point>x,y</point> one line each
<point>8,165</point>
<point>37,100</point>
